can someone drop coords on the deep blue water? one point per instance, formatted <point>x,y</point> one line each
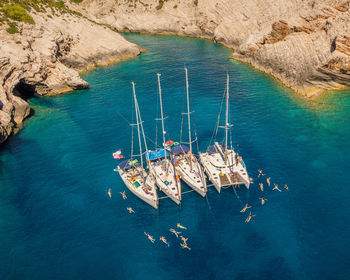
<point>57,222</point>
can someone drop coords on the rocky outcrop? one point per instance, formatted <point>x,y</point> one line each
<point>45,58</point>
<point>304,43</point>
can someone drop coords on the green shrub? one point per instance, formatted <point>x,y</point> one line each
<point>17,13</point>
<point>12,29</point>
<point>76,1</point>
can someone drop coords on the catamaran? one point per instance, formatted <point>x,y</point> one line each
<point>132,172</point>
<point>186,164</point>
<point>222,164</point>
<point>161,165</point>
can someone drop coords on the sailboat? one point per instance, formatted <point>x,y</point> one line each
<point>132,172</point>
<point>161,165</point>
<point>186,164</point>
<point>222,164</point>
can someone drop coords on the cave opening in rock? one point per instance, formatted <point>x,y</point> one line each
<point>24,90</point>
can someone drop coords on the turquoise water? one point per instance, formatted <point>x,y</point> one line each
<point>57,221</point>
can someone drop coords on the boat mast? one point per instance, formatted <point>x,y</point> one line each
<point>226,120</point>
<point>189,118</point>
<point>142,130</point>
<point>161,112</point>
<point>137,121</point>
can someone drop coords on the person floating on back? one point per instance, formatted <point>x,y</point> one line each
<point>185,246</point>
<point>130,210</point>
<point>184,239</point>
<point>124,195</point>
<point>260,173</point>
<point>175,232</point>
<point>268,181</point>
<point>249,217</point>
<point>150,237</point>
<point>245,208</point>
<point>263,199</point>
<point>276,188</point>
<point>261,186</point>
<point>180,226</point>
<point>162,238</point>
<point>109,193</point>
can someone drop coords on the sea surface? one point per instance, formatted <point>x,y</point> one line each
<point>57,221</point>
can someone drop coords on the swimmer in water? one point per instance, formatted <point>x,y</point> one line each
<point>263,199</point>
<point>149,237</point>
<point>249,217</point>
<point>261,186</point>
<point>175,232</point>
<point>180,226</point>
<point>251,180</point>
<point>260,173</point>
<point>286,187</point>
<point>276,188</point>
<point>245,208</point>
<point>185,246</point>
<point>124,195</point>
<point>184,239</point>
<point>162,238</point>
<point>268,181</point>
<point>130,210</point>
<point>109,193</point>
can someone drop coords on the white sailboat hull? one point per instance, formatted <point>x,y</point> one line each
<point>151,197</point>
<point>166,180</point>
<point>193,177</point>
<point>223,173</point>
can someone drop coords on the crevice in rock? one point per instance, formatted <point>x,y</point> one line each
<point>24,90</point>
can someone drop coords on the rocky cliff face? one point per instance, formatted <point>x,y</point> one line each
<point>304,43</point>
<point>44,58</point>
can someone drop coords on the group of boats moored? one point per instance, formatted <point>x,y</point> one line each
<point>166,165</point>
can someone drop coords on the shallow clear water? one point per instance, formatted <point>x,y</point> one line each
<point>57,222</point>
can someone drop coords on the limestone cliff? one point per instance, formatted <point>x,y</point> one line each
<point>304,43</point>
<point>43,58</point>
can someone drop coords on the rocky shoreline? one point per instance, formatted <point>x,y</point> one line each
<point>304,44</point>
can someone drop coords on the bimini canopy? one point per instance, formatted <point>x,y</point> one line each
<point>128,164</point>
<point>212,150</point>
<point>160,153</point>
<point>179,149</point>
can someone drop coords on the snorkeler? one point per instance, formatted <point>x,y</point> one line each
<point>261,186</point>
<point>109,193</point>
<point>162,238</point>
<point>185,246</point>
<point>245,208</point>
<point>268,181</point>
<point>175,232</point>
<point>276,188</point>
<point>286,187</point>
<point>180,226</point>
<point>150,237</point>
<point>124,195</point>
<point>263,199</point>
<point>130,210</point>
<point>249,217</point>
